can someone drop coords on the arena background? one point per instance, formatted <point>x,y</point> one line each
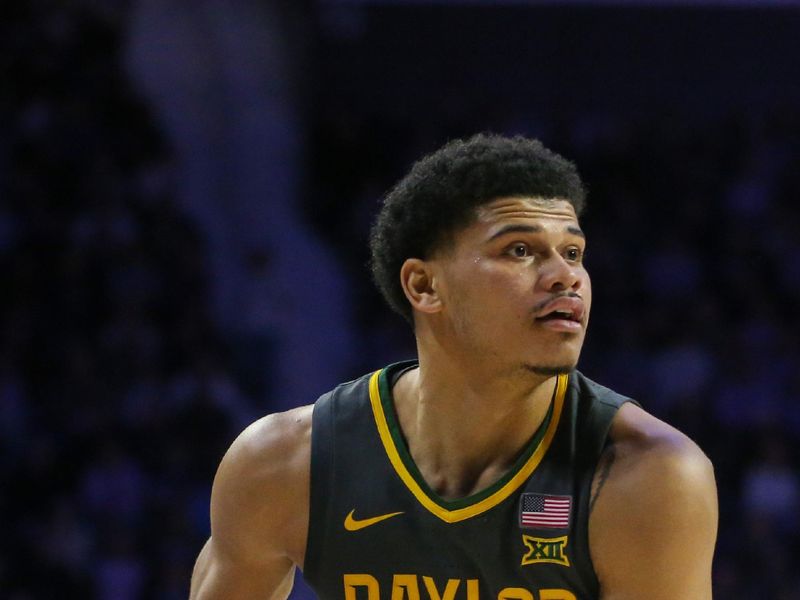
<point>186,193</point>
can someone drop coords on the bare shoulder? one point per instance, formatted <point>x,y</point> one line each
<point>654,508</point>
<point>261,489</point>
<point>655,450</point>
<point>259,512</point>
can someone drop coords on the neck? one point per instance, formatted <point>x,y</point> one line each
<point>467,423</point>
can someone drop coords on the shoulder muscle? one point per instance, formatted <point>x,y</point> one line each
<point>654,519</point>
<point>259,512</point>
<point>259,503</point>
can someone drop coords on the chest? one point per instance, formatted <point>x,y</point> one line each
<point>377,531</point>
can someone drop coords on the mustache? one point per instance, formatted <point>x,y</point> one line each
<point>540,305</point>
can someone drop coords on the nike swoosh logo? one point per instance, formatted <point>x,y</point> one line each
<point>353,524</point>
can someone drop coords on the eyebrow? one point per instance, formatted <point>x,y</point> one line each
<point>532,229</point>
<point>576,231</point>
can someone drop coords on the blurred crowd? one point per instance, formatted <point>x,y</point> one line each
<point>116,397</point>
<point>119,392</point>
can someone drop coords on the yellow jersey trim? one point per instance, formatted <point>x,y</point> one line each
<point>460,514</point>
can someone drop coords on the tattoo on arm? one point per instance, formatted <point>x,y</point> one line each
<point>604,468</point>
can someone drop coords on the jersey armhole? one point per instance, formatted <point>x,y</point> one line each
<point>323,458</point>
<point>606,413</point>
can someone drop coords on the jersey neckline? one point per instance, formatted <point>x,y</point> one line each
<point>452,511</point>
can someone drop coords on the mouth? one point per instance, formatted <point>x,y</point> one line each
<point>559,315</point>
<point>564,313</point>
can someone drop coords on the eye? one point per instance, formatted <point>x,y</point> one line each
<point>519,250</point>
<point>573,254</point>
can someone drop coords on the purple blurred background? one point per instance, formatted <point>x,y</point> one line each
<point>186,193</point>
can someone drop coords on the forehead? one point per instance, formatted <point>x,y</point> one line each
<point>495,219</point>
<point>514,209</point>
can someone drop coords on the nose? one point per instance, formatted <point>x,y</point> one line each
<point>559,275</point>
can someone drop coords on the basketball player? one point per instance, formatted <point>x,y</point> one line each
<point>488,468</point>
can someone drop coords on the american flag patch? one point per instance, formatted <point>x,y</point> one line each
<point>540,511</point>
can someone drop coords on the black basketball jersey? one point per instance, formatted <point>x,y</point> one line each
<point>377,531</point>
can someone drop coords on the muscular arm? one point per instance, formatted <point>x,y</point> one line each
<point>259,512</point>
<point>653,521</point>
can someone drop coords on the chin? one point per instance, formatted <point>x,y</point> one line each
<point>550,370</point>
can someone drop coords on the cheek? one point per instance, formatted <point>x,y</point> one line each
<point>511,297</point>
<point>586,293</point>
<point>483,282</point>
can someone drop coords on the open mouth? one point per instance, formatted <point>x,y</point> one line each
<point>559,315</point>
<point>563,313</point>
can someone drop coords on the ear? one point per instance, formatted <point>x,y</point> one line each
<point>420,285</point>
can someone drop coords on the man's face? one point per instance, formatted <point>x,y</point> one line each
<point>513,285</point>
